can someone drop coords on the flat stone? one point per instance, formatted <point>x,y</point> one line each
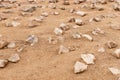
<point>79,67</point>
<point>14,58</point>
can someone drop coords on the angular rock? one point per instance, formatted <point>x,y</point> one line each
<point>14,58</point>
<point>63,49</point>
<point>3,44</point>
<point>116,53</point>
<point>87,37</point>
<point>79,67</point>
<point>114,71</point>
<point>88,58</point>
<point>58,31</point>
<point>32,39</point>
<point>3,63</point>
<point>28,8</point>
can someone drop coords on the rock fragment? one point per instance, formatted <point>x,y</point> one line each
<point>81,13</point>
<point>116,53</point>
<point>88,58</point>
<point>58,31</point>
<point>28,8</point>
<point>63,49</point>
<point>32,39</point>
<point>114,71</point>
<point>14,58</point>
<point>11,45</point>
<point>78,22</point>
<point>3,63</point>
<point>3,44</point>
<point>79,67</point>
<point>76,35</point>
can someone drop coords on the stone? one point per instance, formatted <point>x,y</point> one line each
<point>87,37</point>
<point>88,58</point>
<point>97,31</point>
<point>12,24</point>
<point>78,22</point>
<point>14,58</point>
<point>53,1</point>
<point>58,31</point>
<point>81,13</point>
<point>11,45</point>
<point>116,53</point>
<point>45,14</point>
<point>79,1</point>
<point>3,63</point>
<point>111,44</point>
<point>115,26</point>
<point>76,35</point>
<point>30,8</point>
<point>114,71</point>
<point>38,19</point>
<point>3,44</point>
<point>79,67</point>
<point>66,2</point>
<point>63,49</point>
<point>64,26</point>
<point>32,39</point>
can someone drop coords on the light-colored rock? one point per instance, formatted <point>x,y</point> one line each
<point>81,13</point>
<point>78,22</point>
<point>76,35</point>
<point>3,63</point>
<point>58,31</point>
<point>11,45</point>
<point>116,53</point>
<point>14,58</point>
<point>52,40</point>
<point>63,49</point>
<point>88,58</point>
<point>79,67</point>
<point>45,14</point>
<point>114,71</point>
<point>87,37</point>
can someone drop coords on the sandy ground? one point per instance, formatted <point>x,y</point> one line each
<point>42,62</point>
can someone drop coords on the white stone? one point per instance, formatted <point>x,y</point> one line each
<point>114,71</point>
<point>88,58</point>
<point>81,13</point>
<point>79,67</point>
<point>76,35</point>
<point>87,37</point>
<point>78,22</point>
